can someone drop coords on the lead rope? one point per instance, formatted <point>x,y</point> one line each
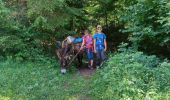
<point>74,57</point>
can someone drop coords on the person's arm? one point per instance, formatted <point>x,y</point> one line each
<point>82,44</point>
<point>94,45</point>
<point>105,44</point>
<point>94,42</point>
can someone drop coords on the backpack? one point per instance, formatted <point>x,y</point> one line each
<point>88,39</point>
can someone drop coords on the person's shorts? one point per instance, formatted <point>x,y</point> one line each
<point>89,54</point>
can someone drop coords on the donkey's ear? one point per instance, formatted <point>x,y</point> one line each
<point>58,44</point>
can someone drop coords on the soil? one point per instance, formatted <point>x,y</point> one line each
<point>85,71</point>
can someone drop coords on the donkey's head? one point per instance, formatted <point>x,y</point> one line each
<point>64,55</point>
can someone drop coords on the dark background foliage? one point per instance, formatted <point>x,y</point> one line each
<point>28,24</point>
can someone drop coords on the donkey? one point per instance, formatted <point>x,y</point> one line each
<point>66,54</point>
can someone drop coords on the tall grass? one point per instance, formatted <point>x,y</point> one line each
<point>39,81</point>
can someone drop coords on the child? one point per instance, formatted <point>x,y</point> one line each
<point>88,42</point>
<point>100,45</point>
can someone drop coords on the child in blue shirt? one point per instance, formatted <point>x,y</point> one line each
<point>100,45</point>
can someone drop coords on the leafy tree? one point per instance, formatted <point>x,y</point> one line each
<point>9,40</point>
<point>147,21</point>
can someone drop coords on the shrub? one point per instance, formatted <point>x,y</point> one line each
<point>134,76</point>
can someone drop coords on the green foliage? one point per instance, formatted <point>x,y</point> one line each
<point>147,21</point>
<point>10,41</point>
<point>46,15</point>
<point>132,76</point>
<point>39,80</point>
<point>54,15</point>
<point>10,44</point>
<point>3,13</point>
<point>29,27</point>
<point>7,18</point>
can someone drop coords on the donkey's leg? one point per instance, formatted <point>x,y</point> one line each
<point>80,57</point>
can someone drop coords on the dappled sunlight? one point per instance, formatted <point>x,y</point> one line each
<point>73,98</point>
<point>4,98</point>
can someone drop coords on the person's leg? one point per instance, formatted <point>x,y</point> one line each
<point>88,57</point>
<point>103,57</point>
<point>98,58</point>
<point>91,59</point>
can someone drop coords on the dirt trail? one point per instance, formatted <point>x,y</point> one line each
<point>85,71</point>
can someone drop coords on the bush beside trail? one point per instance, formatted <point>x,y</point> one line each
<point>133,76</point>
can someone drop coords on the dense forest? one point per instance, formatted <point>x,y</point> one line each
<point>138,36</point>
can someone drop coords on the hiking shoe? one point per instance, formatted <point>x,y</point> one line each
<point>101,64</point>
<point>90,67</point>
<point>97,67</point>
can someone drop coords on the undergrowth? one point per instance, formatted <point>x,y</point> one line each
<point>132,76</point>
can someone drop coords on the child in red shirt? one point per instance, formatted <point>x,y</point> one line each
<point>88,42</point>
